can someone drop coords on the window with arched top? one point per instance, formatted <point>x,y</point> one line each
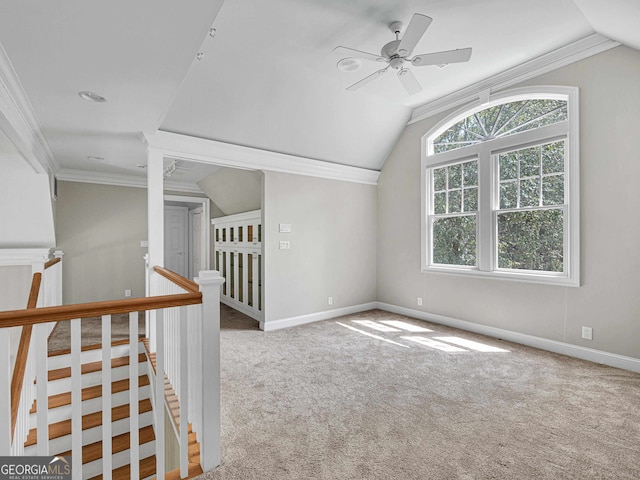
<point>500,189</point>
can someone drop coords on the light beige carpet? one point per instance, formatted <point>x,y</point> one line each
<point>323,401</point>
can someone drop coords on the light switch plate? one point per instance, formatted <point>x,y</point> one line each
<point>285,228</point>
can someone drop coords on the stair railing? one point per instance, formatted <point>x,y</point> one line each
<point>206,305</point>
<point>46,290</point>
<point>22,388</point>
<point>191,359</point>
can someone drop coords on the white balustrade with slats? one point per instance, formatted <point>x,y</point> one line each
<point>27,395</point>
<point>49,294</point>
<point>193,371</point>
<point>182,338</point>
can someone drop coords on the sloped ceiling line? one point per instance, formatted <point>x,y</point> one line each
<point>574,52</point>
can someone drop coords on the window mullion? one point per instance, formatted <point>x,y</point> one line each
<point>486,202</point>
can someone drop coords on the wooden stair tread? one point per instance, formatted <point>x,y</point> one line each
<point>92,367</point>
<point>119,443</point>
<point>90,420</point>
<point>86,348</point>
<point>194,470</point>
<point>91,392</point>
<point>147,468</point>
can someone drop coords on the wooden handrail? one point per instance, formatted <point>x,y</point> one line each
<point>20,366</point>
<point>15,318</point>
<point>52,262</point>
<point>188,285</point>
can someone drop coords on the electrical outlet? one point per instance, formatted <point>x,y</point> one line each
<point>285,244</point>
<point>587,333</point>
<point>330,300</point>
<point>419,301</point>
<point>127,293</point>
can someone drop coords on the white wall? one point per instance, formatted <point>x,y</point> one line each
<point>26,215</point>
<point>609,298</point>
<point>15,285</point>
<point>233,191</point>
<point>333,244</point>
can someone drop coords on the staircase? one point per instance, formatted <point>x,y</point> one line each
<point>59,388</point>
<point>62,393</point>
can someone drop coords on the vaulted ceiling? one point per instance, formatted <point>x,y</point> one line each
<point>267,76</point>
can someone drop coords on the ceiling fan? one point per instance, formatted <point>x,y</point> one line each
<point>398,51</point>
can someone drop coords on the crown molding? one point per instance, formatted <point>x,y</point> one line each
<point>574,52</point>
<point>19,123</point>
<point>184,147</point>
<point>85,176</point>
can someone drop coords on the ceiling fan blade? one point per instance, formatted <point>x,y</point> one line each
<point>442,58</point>
<point>367,79</point>
<point>414,32</point>
<point>350,52</point>
<point>409,81</point>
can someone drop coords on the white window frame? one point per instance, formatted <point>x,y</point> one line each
<point>488,201</point>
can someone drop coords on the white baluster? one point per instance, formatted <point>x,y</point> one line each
<point>133,396</point>
<point>184,395</point>
<point>159,406</point>
<point>195,364</point>
<point>106,397</point>
<point>5,400</point>
<point>41,332</point>
<point>76,401</point>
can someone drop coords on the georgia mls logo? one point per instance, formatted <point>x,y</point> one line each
<point>59,466</point>
<point>35,468</point>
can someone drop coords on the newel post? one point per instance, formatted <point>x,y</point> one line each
<point>210,282</point>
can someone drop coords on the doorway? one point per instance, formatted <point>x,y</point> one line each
<point>186,235</point>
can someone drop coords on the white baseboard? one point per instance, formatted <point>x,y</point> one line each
<point>314,317</point>
<point>590,354</point>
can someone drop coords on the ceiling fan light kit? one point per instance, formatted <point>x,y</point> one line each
<point>349,64</point>
<point>398,51</point>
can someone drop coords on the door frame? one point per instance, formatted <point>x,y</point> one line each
<point>205,230</point>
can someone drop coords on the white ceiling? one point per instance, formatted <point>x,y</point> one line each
<point>268,78</point>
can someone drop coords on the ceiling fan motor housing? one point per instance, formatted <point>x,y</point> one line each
<point>390,52</point>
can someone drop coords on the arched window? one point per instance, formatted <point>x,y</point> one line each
<point>500,189</point>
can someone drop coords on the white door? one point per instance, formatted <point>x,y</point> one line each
<point>176,240</point>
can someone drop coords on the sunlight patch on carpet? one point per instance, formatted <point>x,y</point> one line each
<point>445,347</point>
<point>371,335</point>
<point>376,326</point>
<point>470,344</point>
<point>409,327</point>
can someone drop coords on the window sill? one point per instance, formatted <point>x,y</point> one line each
<point>471,272</point>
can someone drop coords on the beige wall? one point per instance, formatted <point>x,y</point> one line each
<point>333,244</point>
<point>99,229</point>
<point>609,298</point>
